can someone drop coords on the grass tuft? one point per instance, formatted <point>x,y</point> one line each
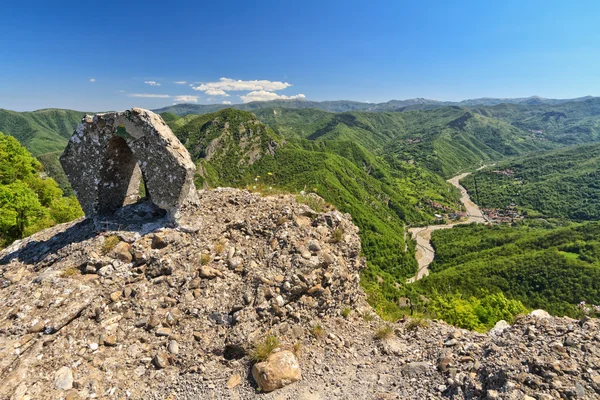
<point>318,331</point>
<point>384,332</point>
<point>109,243</point>
<point>205,258</point>
<point>416,323</point>
<point>346,312</point>
<point>263,349</point>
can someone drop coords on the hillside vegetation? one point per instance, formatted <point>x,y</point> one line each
<point>567,123</point>
<point>42,131</point>
<point>542,266</point>
<point>28,201</point>
<point>564,183</point>
<point>443,140</point>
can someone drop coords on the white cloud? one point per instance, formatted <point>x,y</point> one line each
<point>152,83</point>
<point>121,91</point>
<point>226,102</point>
<point>228,84</point>
<point>180,82</point>
<point>263,95</point>
<point>150,95</point>
<point>216,92</point>
<point>92,80</point>
<point>185,99</point>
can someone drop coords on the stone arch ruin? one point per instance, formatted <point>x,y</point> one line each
<point>110,154</point>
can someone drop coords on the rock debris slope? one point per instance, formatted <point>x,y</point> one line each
<point>135,307</point>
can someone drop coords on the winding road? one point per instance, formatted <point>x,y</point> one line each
<point>424,251</point>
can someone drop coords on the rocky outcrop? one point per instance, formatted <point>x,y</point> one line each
<point>181,318</point>
<point>109,154</point>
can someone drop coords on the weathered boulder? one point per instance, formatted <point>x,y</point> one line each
<point>109,154</point>
<point>279,370</point>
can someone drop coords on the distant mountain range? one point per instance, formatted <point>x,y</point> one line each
<point>348,105</point>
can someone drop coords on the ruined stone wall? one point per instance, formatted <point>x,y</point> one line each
<point>109,154</point>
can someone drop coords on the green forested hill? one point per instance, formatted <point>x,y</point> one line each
<point>563,183</point>
<point>554,268</point>
<point>567,123</point>
<point>42,131</point>
<point>444,140</point>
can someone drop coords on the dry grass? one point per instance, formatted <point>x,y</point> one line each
<point>205,258</point>
<point>71,271</point>
<point>318,331</point>
<point>109,243</point>
<point>263,349</point>
<point>337,235</point>
<point>368,316</point>
<point>297,349</point>
<point>219,247</point>
<point>384,332</point>
<point>416,323</point>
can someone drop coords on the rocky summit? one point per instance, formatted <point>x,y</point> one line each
<point>250,297</point>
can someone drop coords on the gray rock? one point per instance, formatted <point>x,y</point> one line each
<point>173,347</point>
<point>416,368</point>
<point>63,379</point>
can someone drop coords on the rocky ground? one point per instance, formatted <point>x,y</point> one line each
<point>135,308</point>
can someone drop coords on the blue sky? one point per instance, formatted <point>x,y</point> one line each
<point>321,50</point>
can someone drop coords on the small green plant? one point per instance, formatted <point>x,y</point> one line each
<point>368,316</point>
<point>337,235</point>
<point>205,258</point>
<point>416,323</point>
<point>318,331</point>
<point>263,349</point>
<point>109,243</point>
<point>384,332</point>
<point>346,312</point>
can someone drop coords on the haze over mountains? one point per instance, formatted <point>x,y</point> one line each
<point>349,105</point>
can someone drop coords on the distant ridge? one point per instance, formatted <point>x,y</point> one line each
<point>349,105</point>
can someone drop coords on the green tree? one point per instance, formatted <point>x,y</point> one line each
<point>28,201</point>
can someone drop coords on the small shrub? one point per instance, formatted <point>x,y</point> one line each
<point>205,258</point>
<point>337,235</point>
<point>219,247</point>
<point>318,331</point>
<point>416,323</point>
<point>263,349</point>
<point>346,312</point>
<point>384,332</point>
<point>109,243</point>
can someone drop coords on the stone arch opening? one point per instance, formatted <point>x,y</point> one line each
<point>110,156</point>
<point>120,177</point>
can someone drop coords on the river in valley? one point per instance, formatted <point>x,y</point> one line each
<point>422,235</point>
